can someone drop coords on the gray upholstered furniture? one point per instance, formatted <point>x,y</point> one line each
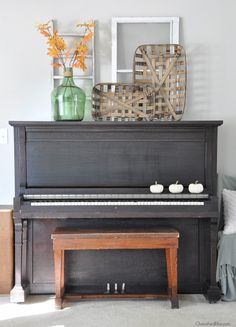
<point>226,264</point>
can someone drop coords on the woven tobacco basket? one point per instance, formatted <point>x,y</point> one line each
<point>164,68</point>
<point>117,102</point>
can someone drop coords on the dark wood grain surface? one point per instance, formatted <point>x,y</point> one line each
<point>107,157</point>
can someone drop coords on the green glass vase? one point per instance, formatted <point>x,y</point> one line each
<point>68,100</point>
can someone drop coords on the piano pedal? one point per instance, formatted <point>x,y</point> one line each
<point>123,288</point>
<point>116,288</point>
<point>108,291</point>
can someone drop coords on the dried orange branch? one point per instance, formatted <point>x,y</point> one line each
<point>58,48</point>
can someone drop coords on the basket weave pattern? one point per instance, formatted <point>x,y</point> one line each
<point>114,101</point>
<point>158,91</point>
<point>163,67</point>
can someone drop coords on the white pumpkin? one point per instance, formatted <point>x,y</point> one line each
<point>195,187</point>
<point>176,188</point>
<point>156,188</point>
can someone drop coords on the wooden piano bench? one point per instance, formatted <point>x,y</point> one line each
<point>78,239</point>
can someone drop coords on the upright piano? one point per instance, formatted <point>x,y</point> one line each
<point>97,175</point>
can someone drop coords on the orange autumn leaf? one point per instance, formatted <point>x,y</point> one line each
<point>57,42</point>
<point>88,25</point>
<point>82,49</point>
<point>44,29</point>
<point>80,64</point>
<point>43,26</point>
<point>57,65</point>
<point>53,52</point>
<point>45,33</point>
<point>88,37</point>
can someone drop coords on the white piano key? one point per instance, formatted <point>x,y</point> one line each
<point>129,197</point>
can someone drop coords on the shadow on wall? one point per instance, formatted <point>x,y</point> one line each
<point>226,147</point>
<point>203,82</point>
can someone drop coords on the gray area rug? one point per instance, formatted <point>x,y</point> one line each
<point>39,311</point>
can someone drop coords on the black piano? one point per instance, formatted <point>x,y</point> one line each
<point>97,175</point>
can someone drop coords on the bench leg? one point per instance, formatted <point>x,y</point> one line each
<point>59,277</point>
<point>62,273</point>
<point>168,271</point>
<point>171,262</point>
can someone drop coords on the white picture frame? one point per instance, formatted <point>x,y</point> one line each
<point>173,36</point>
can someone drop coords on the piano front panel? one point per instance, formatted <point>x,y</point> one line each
<point>119,160</point>
<point>93,269</point>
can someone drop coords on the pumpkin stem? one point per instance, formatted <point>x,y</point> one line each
<point>155,182</point>
<point>177,182</point>
<point>196,182</point>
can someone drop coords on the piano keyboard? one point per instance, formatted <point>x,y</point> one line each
<point>117,203</point>
<point>108,196</point>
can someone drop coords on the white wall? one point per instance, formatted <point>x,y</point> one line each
<point>207,32</point>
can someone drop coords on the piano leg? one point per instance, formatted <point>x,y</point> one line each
<point>212,291</point>
<point>24,253</point>
<point>19,292</point>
